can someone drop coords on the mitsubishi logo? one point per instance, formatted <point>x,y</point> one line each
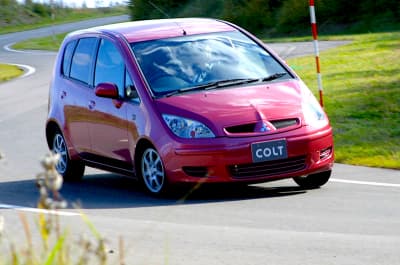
<point>264,128</point>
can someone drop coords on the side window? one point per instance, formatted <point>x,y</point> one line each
<point>69,49</point>
<point>110,66</point>
<point>82,60</point>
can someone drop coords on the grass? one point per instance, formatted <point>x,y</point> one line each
<point>361,94</point>
<point>362,97</point>
<point>8,72</point>
<point>47,43</point>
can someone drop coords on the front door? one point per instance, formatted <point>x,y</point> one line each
<point>108,128</point>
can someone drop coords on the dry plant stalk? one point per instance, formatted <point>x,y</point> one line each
<point>49,184</point>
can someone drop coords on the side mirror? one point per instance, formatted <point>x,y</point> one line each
<point>107,90</point>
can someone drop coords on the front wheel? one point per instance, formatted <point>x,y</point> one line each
<point>313,181</point>
<point>153,172</point>
<point>71,170</point>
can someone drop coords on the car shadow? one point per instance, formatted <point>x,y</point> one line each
<point>107,191</point>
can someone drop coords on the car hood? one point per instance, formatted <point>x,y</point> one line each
<point>239,106</point>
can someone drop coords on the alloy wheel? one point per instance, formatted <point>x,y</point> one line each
<point>152,170</point>
<point>59,147</point>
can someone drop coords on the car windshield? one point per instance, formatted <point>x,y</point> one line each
<point>206,61</point>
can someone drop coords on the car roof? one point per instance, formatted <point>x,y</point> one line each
<point>143,30</point>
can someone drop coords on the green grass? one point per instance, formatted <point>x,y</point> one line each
<point>361,94</point>
<point>8,72</point>
<point>362,97</point>
<point>47,43</point>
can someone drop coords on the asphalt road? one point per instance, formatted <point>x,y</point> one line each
<point>354,219</point>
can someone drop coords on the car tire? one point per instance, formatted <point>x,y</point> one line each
<point>70,170</point>
<point>313,181</point>
<point>153,172</point>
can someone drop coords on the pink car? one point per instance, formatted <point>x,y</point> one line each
<point>184,101</point>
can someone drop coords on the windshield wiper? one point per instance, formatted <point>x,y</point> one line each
<point>181,90</point>
<point>272,77</point>
<point>212,85</point>
<point>225,83</point>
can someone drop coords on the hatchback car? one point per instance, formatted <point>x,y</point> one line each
<point>188,100</point>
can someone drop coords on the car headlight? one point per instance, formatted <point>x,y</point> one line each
<point>187,128</point>
<point>313,112</point>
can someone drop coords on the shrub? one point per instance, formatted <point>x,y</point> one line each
<point>41,9</point>
<point>293,14</point>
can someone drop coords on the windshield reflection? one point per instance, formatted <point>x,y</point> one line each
<point>177,64</point>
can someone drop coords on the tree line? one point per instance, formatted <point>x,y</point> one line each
<point>271,15</point>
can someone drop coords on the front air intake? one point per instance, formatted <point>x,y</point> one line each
<point>269,168</point>
<point>198,172</point>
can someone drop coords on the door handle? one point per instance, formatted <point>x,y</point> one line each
<point>92,104</point>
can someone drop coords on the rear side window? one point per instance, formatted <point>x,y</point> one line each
<point>82,60</point>
<point>69,49</point>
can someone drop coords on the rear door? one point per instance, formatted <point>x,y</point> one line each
<point>77,89</point>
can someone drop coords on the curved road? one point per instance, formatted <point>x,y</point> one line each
<point>354,219</point>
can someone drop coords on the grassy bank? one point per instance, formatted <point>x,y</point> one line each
<point>60,16</point>
<point>362,97</point>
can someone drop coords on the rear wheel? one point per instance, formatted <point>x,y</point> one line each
<point>153,172</point>
<point>71,170</point>
<point>313,181</point>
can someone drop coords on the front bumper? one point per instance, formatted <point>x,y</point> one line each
<point>223,160</point>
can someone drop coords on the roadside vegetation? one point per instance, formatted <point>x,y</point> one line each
<point>361,93</point>
<point>16,16</point>
<point>280,17</point>
<point>360,79</point>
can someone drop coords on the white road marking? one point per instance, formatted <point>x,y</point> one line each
<point>36,210</point>
<point>370,183</point>
<point>29,70</point>
<point>7,47</point>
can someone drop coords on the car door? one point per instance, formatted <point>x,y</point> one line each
<point>108,128</point>
<point>76,90</point>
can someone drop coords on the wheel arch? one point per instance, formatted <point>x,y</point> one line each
<point>140,147</point>
<point>154,183</point>
<point>51,128</point>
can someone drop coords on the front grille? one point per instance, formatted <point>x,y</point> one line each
<point>243,128</point>
<point>268,168</point>
<point>279,124</point>
<point>251,127</point>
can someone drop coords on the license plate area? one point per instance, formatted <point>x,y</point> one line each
<point>268,151</point>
